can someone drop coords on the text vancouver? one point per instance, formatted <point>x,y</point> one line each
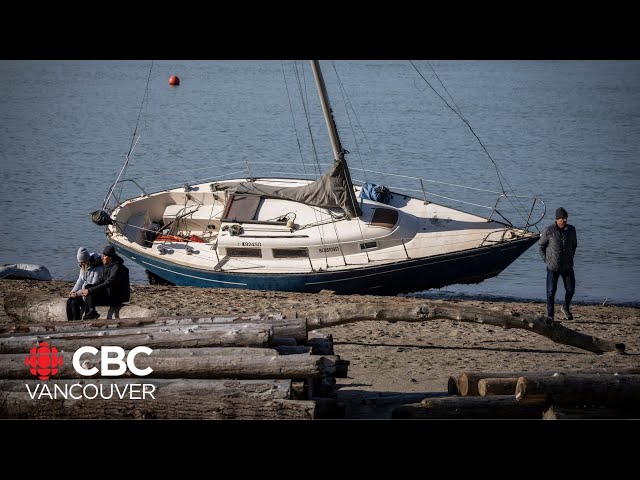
<point>77,391</point>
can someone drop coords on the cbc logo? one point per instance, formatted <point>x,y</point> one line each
<point>117,361</point>
<point>44,361</point>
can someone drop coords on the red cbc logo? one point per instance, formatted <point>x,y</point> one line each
<point>43,361</point>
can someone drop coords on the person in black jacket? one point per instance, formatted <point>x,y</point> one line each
<point>558,243</point>
<point>113,288</point>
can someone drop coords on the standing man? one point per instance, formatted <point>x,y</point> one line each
<point>558,244</point>
<point>113,288</point>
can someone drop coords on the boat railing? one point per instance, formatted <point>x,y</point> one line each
<point>528,223</point>
<point>493,210</point>
<point>112,192</point>
<point>489,204</point>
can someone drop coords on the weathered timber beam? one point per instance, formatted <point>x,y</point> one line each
<point>559,412</point>
<point>336,315</point>
<point>468,381</point>
<point>241,334</point>
<point>497,386</point>
<point>452,386</point>
<point>505,406</point>
<point>331,316</point>
<point>42,307</point>
<point>580,390</point>
<point>381,405</point>
<point>153,399</point>
<point>295,328</point>
<point>12,366</point>
<point>11,361</point>
<point>292,349</point>
<point>321,343</point>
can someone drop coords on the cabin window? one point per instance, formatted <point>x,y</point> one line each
<point>244,252</point>
<point>241,207</point>
<point>368,245</point>
<point>290,253</point>
<point>384,217</point>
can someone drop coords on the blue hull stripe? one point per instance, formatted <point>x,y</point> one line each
<point>191,276</point>
<point>471,266</point>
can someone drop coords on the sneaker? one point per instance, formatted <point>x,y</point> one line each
<point>549,322</point>
<point>567,313</point>
<point>91,315</point>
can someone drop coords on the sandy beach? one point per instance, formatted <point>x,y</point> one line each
<point>394,358</point>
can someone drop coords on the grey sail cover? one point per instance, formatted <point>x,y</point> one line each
<point>331,190</point>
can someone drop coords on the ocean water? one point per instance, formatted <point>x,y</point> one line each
<point>567,132</point>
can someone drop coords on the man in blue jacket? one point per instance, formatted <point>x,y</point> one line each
<point>558,243</point>
<point>113,288</point>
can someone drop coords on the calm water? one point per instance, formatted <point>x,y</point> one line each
<point>566,131</point>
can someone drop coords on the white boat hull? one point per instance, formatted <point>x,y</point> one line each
<point>216,239</point>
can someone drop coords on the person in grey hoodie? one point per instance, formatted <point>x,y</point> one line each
<point>90,271</point>
<point>558,243</point>
<point>111,289</point>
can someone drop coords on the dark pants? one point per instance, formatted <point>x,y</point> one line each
<point>569,280</point>
<point>75,308</point>
<point>97,298</point>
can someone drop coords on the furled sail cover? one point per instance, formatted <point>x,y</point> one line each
<point>331,190</point>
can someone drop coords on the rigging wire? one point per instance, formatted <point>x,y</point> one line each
<point>300,83</point>
<point>340,157</point>
<point>304,166</point>
<point>144,98</point>
<point>458,112</point>
<point>347,103</point>
<point>293,118</point>
<point>133,141</point>
<point>305,103</point>
<point>347,100</point>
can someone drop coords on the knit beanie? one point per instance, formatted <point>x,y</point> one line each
<point>83,255</point>
<point>561,213</point>
<point>109,251</point>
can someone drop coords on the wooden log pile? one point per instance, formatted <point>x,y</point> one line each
<point>215,367</point>
<point>587,393</point>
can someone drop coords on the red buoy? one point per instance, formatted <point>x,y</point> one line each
<point>174,81</point>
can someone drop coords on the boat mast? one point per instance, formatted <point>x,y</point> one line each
<point>338,151</point>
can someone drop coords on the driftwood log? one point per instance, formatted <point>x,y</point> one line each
<point>468,381</point>
<point>497,386</point>
<point>35,306</point>
<point>505,406</point>
<point>336,315</point>
<point>558,412</point>
<point>331,316</point>
<point>172,399</point>
<point>27,325</point>
<point>507,385</point>
<point>580,390</point>
<point>294,328</point>
<point>321,343</point>
<point>240,334</point>
<point>452,386</point>
<point>171,364</point>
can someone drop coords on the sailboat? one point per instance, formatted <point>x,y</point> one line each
<point>309,235</point>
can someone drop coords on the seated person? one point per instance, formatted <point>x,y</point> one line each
<point>90,272</point>
<point>112,287</point>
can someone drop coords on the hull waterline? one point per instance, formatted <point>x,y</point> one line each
<point>464,267</point>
